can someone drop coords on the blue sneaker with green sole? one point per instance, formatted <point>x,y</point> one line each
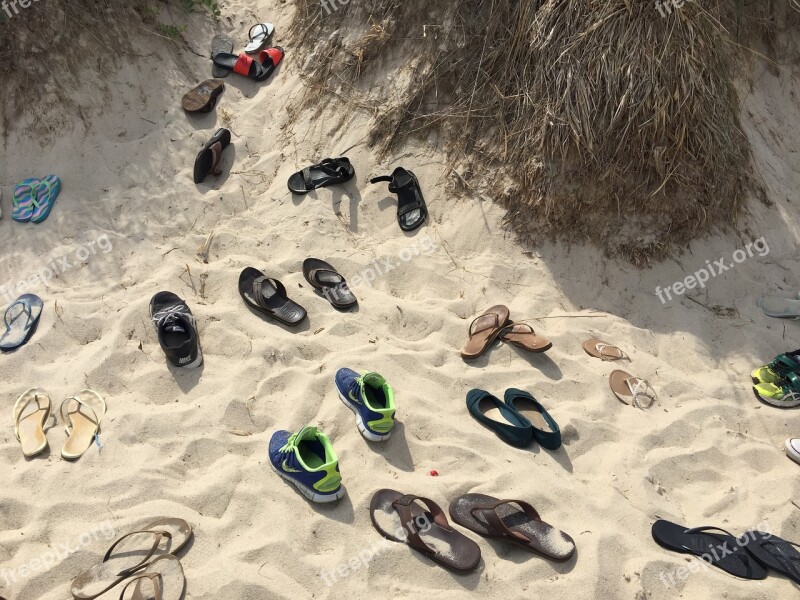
<point>307,460</point>
<point>371,398</point>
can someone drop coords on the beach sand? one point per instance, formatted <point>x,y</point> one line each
<point>193,444</point>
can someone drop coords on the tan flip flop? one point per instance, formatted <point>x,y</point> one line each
<point>162,579</point>
<point>484,330</point>
<point>604,350</point>
<point>421,524</point>
<point>511,520</point>
<point>81,414</point>
<point>630,389</point>
<point>133,553</point>
<point>523,336</point>
<point>29,429</point>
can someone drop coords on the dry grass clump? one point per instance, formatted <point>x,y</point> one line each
<point>597,119</point>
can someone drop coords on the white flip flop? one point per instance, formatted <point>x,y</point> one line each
<point>258,35</point>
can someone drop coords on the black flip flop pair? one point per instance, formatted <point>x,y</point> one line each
<point>411,208</point>
<point>268,296</point>
<point>748,556</point>
<point>208,160</point>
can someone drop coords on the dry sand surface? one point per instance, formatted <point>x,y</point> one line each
<point>194,444</point>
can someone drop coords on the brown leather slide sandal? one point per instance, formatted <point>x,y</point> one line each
<point>604,350</point>
<point>163,579</point>
<point>631,390</point>
<point>484,330</point>
<point>512,520</point>
<point>29,429</point>
<point>130,553</point>
<point>523,336</point>
<point>421,524</point>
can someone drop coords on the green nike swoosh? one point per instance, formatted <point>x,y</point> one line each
<point>289,469</point>
<point>354,399</point>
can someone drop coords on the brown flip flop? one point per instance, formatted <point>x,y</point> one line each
<point>523,336</point>
<point>503,519</point>
<point>484,330</point>
<point>421,524</point>
<point>629,389</point>
<point>203,97</point>
<point>29,430</point>
<point>604,350</point>
<point>131,553</point>
<point>163,579</point>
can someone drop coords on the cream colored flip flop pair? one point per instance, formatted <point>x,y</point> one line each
<point>81,415</point>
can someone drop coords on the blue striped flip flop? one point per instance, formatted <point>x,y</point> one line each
<point>21,323</point>
<point>22,204</point>
<point>46,195</point>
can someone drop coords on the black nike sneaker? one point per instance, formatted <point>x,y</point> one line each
<point>177,332</point>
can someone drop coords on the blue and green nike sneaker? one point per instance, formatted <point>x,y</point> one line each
<point>372,401</point>
<point>307,460</point>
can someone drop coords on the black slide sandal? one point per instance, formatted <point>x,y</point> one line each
<point>329,172</point>
<point>411,208</point>
<point>207,161</point>
<point>775,553</point>
<point>268,297</point>
<point>220,44</point>
<point>714,546</point>
<point>324,278</point>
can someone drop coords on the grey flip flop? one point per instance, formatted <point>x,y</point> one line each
<point>220,44</point>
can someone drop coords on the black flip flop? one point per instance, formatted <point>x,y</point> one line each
<point>268,297</point>
<point>220,44</point>
<point>411,208</point>
<point>329,172</point>
<point>326,279</point>
<point>774,553</point>
<point>207,161</point>
<point>713,545</point>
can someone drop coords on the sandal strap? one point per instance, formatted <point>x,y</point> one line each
<point>409,206</point>
<point>496,323</point>
<point>65,416</point>
<point>26,308</point>
<point>601,346</point>
<point>314,275</point>
<point>263,30</point>
<point>510,329</point>
<point>403,507</point>
<point>258,286</point>
<point>489,512</point>
<point>156,580</point>
<point>158,536</point>
<point>640,387</point>
<point>216,153</point>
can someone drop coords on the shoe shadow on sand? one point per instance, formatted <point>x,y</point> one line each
<point>538,360</point>
<point>395,450</point>
<point>187,379</point>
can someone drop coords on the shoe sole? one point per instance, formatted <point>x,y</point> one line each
<point>366,433</point>
<point>791,453</point>
<point>309,493</point>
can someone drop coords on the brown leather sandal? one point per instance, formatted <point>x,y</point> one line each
<point>483,331</point>
<point>503,519</point>
<point>604,350</point>
<point>523,336</point>
<point>422,518</point>
<point>131,553</point>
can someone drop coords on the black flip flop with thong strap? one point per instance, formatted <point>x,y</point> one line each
<point>774,553</point>
<point>326,279</point>
<point>411,208</point>
<point>424,527</point>
<point>715,546</point>
<point>329,172</point>
<point>207,161</point>
<point>268,297</point>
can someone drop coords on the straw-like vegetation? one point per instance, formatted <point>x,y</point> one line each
<point>591,119</point>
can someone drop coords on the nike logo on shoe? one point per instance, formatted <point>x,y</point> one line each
<point>289,469</point>
<point>354,399</point>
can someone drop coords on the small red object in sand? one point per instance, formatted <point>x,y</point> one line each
<point>434,473</point>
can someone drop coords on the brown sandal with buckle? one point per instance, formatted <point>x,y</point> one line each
<point>523,336</point>
<point>136,551</point>
<point>503,519</point>
<point>483,331</point>
<point>421,517</point>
